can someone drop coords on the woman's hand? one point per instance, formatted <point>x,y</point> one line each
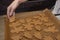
<point>11,8</point>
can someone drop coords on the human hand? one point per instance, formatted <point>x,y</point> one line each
<point>11,8</point>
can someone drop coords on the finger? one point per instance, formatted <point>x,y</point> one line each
<point>8,11</point>
<point>11,13</point>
